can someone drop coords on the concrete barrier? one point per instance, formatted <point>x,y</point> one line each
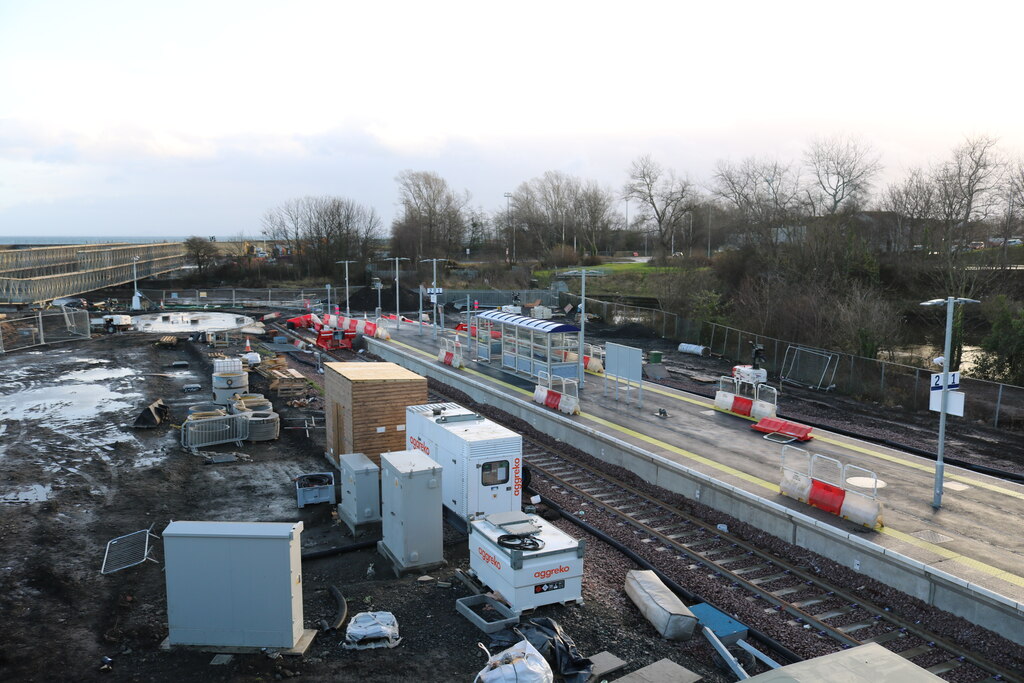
<point>933,586</point>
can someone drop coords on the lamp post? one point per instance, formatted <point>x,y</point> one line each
<point>136,298</point>
<point>689,249</point>
<point>347,313</point>
<point>508,216</point>
<point>328,298</point>
<point>433,284</point>
<point>948,302</point>
<point>583,321</point>
<point>398,313</point>
<point>709,232</point>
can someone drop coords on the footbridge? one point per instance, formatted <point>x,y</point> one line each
<point>40,274</point>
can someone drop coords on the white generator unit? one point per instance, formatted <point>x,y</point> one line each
<point>360,491</point>
<point>747,373</point>
<point>410,484</point>
<point>234,584</point>
<point>529,561</point>
<point>482,461</point>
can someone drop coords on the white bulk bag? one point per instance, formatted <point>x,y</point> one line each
<point>521,663</point>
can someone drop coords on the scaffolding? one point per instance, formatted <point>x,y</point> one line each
<point>41,274</point>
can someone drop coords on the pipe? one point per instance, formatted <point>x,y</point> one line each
<point>342,614</point>
<point>765,639</point>
<point>318,554</point>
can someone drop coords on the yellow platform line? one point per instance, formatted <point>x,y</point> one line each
<point>757,481</point>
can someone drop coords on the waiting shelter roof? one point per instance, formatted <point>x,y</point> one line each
<point>535,324</point>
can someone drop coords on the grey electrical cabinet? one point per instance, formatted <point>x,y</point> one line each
<point>234,584</point>
<point>411,520</point>
<point>360,491</point>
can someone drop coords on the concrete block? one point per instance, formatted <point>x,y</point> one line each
<point>662,671</point>
<point>604,663</point>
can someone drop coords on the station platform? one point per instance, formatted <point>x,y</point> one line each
<point>975,536</point>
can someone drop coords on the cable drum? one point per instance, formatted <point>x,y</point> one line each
<point>264,425</point>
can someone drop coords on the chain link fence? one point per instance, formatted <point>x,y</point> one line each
<point>902,387</point>
<point>26,330</point>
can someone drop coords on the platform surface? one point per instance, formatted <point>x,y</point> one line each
<point>974,536</point>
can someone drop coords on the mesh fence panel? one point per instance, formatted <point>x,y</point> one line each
<point>43,327</point>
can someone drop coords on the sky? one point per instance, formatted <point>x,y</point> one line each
<point>170,119</point>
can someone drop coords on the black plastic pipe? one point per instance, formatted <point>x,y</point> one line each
<point>763,638</point>
<point>317,554</point>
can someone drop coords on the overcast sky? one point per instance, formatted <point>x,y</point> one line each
<point>169,119</point>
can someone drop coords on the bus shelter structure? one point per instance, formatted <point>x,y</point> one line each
<point>527,347</point>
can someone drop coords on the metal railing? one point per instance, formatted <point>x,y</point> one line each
<point>43,327</point>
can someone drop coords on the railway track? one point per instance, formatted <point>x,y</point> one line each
<point>799,602</point>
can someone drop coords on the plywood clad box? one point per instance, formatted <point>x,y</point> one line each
<point>365,405</point>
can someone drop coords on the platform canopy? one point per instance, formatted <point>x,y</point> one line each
<point>523,321</point>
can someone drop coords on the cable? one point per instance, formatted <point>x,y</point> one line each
<point>520,542</point>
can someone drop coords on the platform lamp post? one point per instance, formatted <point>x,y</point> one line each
<point>583,321</point>
<point>347,313</point>
<point>433,285</point>
<point>398,312</point>
<point>328,286</point>
<point>508,216</point>
<point>948,302</point>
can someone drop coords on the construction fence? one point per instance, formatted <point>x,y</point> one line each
<point>26,330</point>
<point>314,299</point>
<point>902,387</point>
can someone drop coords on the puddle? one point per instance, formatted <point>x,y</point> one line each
<point>36,493</point>
<point>95,374</point>
<point>65,403</point>
<point>190,322</point>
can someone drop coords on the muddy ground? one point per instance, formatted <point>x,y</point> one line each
<point>74,474</point>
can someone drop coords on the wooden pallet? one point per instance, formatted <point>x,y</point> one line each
<point>288,382</point>
<point>268,365</point>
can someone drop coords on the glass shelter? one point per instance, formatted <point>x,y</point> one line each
<point>527,347</point>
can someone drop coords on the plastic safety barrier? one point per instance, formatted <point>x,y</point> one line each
<point>558,393</point>
<point>451,353</point>
<point>821,481</point>
<point>774,425</point>
<point>744,398</point>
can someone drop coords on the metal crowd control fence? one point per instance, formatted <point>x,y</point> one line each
<point>902,387</point>
<point>211,431</point>
<point>494,298</point>
<point>43,327</point>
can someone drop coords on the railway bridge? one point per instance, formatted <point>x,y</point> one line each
<point>39,274</point>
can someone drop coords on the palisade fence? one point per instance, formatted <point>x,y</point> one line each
<point>43,327</point>
<point>492,298</point>
<point>298,299</point>
<point>896,385</point>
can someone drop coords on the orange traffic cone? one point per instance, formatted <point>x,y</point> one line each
<point>248,349</point>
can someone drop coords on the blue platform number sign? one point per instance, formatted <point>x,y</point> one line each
<point>954,381</point>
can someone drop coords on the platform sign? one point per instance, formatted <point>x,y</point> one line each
<point>624,364</point>
<point>954,380</point>
<point>435,290</point>
<point>954,402</point>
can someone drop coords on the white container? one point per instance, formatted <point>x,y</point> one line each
<point>526,578</point>
<point>482,461</point>
<point>410,485</point>
<point>314,487</point>
<point>227,365</point>
<point>234,584</point>
<point>360,490</point>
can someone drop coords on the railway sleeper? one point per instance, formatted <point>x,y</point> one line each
<point>916,651</point>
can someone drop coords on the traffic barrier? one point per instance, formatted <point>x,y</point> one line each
<point>747,399</point>
<point>359,326</point>
<point>821,481</point>
<point>793,430</point>
<point>451,353</point>
<point>565,398</point>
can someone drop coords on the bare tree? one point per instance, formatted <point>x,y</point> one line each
<point>201,252</point>
<point>766,195</point>
<point>663,198</point>
<point>841,172</point>
<point>433,221</point>
<point>913,204</point>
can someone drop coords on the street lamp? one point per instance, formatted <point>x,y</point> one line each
<point>939,463</point>
<point>508,216</point>
<point>136,298</point>
<point>689,249</point>
<point>433,285</point>
<point>583,320</point>
<point>398,313</point>
<point>328,298</point>
<point>347,313</point>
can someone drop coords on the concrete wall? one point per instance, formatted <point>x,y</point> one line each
<point>935,587</point>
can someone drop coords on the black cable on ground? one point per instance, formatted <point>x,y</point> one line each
<point>361,545</point>
<point>763,638</point>
<point>342,613</point>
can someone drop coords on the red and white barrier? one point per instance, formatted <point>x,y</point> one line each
<point>558,393</point>
<point>802,479</point>
<point>744,398</point>
<point>357,325</point>
<point>590,363</point>
<point>451,353</point>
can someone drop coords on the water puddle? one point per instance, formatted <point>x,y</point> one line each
<point>36,493</point>
<point>95,374</point>
<point>65,404</point>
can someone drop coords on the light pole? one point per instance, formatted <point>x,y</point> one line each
<point>583,321</point>
<point>433,285</point>
<point>328,298</point>
<point>948,302</point>
<point>347,313</point>
<point>689,249</point>
<point>136,298</point>
<point>508,216</point>
<point>709,232</point>
<point>398,313</point>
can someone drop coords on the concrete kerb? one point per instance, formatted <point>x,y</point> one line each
<point>933,586</point>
